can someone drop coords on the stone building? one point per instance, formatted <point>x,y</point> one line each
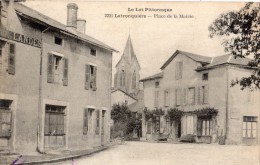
<point>192,98</point>
<point>55,82</point>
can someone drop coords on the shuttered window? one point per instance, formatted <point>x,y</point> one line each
<point>156,98</point>
<point>178,70</point>
<point>178,96</point>
<point>204,126</point>
<point>65,72</point>
<point>90,77</point>
<point>97,122</point>
<point>85,121</point>
<point>166,98</point>
<point>11,59</point>
<point>1,54</point>
<point>205,91</point>
<point>54,120</point>
<point>50,77</point>
<point>184,96</point>
<point>191,96</point>
<point>5,123</point>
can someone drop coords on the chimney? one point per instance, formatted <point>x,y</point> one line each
<point>72,14</point>
<point>81,25</point>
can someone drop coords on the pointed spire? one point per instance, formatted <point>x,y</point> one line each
<point>129,50</point>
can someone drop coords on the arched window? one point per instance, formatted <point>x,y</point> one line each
<point>122,78</point>
<point>134,80</point>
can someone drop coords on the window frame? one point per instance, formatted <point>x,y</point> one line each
<point>205,76</point>
<point>189,95</point>
<point>59,38</point>
<point>179,70</point>
<point>157,84</point>
<point>93,50</point>
<point>166,98</point>
<point>249,120</point>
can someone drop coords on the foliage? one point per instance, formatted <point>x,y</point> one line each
<point>151,114</point>
<point>174,114</point>
<point>240,31</point>
<point>205,111</point>
<point>124,120</point>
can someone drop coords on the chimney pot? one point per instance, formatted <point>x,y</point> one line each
<point>81,25</point>
<point>72,14</point>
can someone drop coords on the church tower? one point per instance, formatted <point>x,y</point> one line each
<point>127,70</point>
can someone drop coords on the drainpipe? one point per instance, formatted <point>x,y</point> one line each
<point>38,148</point>
<point>227,104</point>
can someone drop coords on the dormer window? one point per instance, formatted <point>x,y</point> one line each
<point>58,41</point>
<point>93,52</point>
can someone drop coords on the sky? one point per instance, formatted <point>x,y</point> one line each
<point>154,39</point>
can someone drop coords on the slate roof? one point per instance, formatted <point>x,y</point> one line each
<point>155,76</point>
<point>225,59</point>
<point>195,57</point>
<point>28,13</point>
<point>128,53</point>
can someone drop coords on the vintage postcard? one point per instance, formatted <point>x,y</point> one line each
<point>128,82</point>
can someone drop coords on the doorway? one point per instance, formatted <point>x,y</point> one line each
<point>103,127</point>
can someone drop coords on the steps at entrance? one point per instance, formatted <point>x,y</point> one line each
<point>187,138</point>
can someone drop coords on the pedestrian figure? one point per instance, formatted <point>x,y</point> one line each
<point>122,137</point>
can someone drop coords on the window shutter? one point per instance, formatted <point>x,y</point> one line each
<point>199,95</point>
<point>47,124</point>
<point>97,122</point>
<point>87,76</point>
<point>199,127</point>
<point>95,79</point>
<point>50,77</point>
<point>184,96</point>
<point>85,121</point>
<point>65,72</point>
<point>180,70</point>
<point>11,59</point>
<point>6,120</point>
<point>115,80</point>
<point>206,94</point>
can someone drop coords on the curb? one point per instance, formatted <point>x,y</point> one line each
<point>68,157</point>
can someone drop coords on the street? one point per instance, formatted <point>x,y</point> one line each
<point>143,153</point>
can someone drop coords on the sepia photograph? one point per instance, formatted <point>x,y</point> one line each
<point>85,82</point>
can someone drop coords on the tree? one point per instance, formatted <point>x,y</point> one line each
<point>240,31</point>
<point>124,120</point>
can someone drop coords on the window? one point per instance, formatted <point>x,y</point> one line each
<point>178,97</point>
<point>156,98</point>
<point>166,98</point>
<point>205,94</point>
<point>11,59</point>
<point>134,80</point>
<point>93,52</point>
<point>87,123</point>
<point>58,41</point>
<point>157,84</point>
<point>1,54</point>
<point>5,118</point>
<point>57,69</point>
<point>90,77</point>
<point>204,126</point>
<point>122,79</point>
<point>178,70</point>
<point>249,126</point>
<point>205,76</point>
<point>191,96</point>
<point>54,120</point>
<point>97,122</point>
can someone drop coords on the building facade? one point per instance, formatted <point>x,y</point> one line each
<point>55,82</point>
<point>192,97</point>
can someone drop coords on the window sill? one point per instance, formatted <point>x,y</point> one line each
<point>249,138</point>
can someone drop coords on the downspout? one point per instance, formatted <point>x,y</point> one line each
<point>227,104</point>
<point>38,148</point>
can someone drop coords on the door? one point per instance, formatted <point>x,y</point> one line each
<point>189,124</point>
<point>103,128</point>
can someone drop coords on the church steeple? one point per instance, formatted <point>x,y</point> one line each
<point>127,70</point>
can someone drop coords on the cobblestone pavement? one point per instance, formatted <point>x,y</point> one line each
<point>143,153</point>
